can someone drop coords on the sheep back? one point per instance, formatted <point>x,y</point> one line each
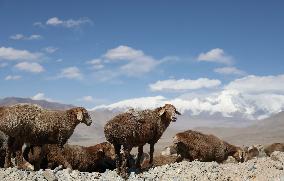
<point>274,147</point>
<point>133,128</point>
<point>86,159</point>
<point>35,125</point>
<point>195,145</point>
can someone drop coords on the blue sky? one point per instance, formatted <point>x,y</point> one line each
<point>100,52</point>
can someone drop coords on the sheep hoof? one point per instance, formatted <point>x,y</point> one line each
<point>27,166</point>
<point>151,165</point>
<point>124,175</point>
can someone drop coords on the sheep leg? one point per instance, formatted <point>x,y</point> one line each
<point>126,155</point>
<point>62,160</point>
<point>179,158</point>
<point>9,150</point>
<point>117,158</point>
<point>17,147</point>
<point>140,152</point>
<point>19,158</point>
<point>8,162</point>
<point>26,148</point>
<point>151,153</point>
<point>38,152</point>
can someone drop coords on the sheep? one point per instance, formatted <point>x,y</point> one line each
<point>254,151</point>
<point>135,129</point>
<point>274,147</point>
<point>168,151</point>
<point>95,158</point>
<point>28,123</point>
<point>194,145</point>
<point>160,160</point>
<point>3,147</point>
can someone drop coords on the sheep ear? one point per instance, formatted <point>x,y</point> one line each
<point>80,115</point>
<point>162,111</point>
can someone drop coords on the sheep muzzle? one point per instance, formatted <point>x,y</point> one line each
<point>178,113</point>
<point>174,118</point>
<point>88,121</point>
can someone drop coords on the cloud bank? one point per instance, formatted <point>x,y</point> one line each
<point>184,84</point>
<point>70,23</point>
<point>251,97</point>
<point>9,53</point>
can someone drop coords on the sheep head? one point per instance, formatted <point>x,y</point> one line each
<point>169,111</point>
<point>250,153</point>
<point>239,155</point>
<point>82,115</point>
<point>109,150</point>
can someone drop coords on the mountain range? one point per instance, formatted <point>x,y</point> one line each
<point>43,103</point>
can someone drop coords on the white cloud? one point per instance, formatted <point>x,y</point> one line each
<point>96,64</point>
<point>137,62</point>
<point>123,52</point>
<point>89,99</point>
<point>106,75</point>
<point>17,37</point>
<point>215,55</point>
<point>229,71</point>
<point>227,103</point>
<point>8,53</point>
<point>251,97</point>
<point>258,84</point>
<point>50,49</point>
<point>23,37</point>
<point>70,23</point>
<point>38,24</point>
<point>54,21</point>
<point>70,73</point>
<point>125,61</point>
<point>184,84</point>
<point>41,96</point>
<point>35,37</point>
<point>139,66</point>
<point>30,67</point>
<point>13,77</point>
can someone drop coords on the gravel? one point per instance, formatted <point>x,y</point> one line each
<point>264,168</point>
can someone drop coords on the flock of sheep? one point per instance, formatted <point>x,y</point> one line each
<point>37,138</point>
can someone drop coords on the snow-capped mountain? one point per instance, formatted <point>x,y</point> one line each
<point>229,103</point>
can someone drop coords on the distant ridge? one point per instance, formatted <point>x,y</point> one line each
<point>43,103</point>
<point>266,131</point>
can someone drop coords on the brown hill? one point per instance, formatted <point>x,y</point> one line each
<point>265,131</point>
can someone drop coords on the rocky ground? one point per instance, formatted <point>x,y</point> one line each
<point>265,168</point>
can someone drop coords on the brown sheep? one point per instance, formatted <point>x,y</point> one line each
<point>194,145</point>
<point>170,150</point>
<point>4,142</point>
<point>95,158</point>
<point>254,151</point>
<point>160,160</point>
<point>135,129</point>
<point>28,123</point>
<point>251,153</point>
<point>3,147</point>
<point>274,147</point>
